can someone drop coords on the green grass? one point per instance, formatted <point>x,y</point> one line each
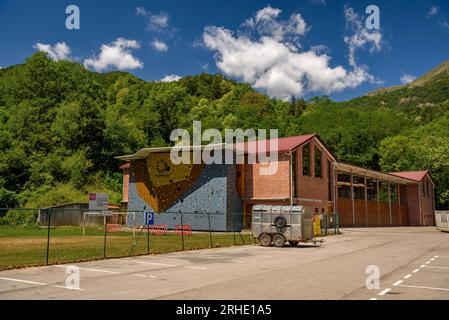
<point>27,246</point>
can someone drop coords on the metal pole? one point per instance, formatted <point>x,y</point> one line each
<point>182,231</point>
<point>48,234</point>
<point>233,227</point>
<point>105,233</point>
<point>84,223</point>
<point>148,239</point>
<point>210,231</point>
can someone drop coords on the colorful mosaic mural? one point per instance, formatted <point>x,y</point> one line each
<point>160,182</point>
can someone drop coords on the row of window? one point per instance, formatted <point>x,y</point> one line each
<point>372,192</point>
<point>306,163</point>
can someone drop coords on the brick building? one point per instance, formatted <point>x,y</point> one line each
<point>308,174</point>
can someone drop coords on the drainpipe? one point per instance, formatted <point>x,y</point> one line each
<point>291,177</point>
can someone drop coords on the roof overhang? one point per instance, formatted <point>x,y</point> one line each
<point>145,152</point>
<point>343,167</point>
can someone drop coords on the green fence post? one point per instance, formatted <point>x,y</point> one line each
<point>148,240</point>
<point>48,234</point>
<point>210,231</point>
<point>182,231</point>
<point>105,235</point>
<point>233,227</point>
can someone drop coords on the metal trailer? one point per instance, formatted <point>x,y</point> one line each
<point>442,220</point>
<point>279,224</point>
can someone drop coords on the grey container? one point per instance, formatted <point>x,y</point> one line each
<point>272,223</point>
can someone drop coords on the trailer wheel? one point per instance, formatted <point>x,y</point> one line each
<point>265,240</point>
<point>280,222</point>
<point>278,240</point>
<point>293,243</point>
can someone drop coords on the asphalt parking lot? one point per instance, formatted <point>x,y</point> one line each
<point>413,264</point>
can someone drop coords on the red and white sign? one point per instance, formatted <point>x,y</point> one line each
<point>98,201</point>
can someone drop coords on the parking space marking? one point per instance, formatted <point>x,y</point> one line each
<point>144,276</point>
<point>90,269</point>
<point>24,281</point>
<point>427,262</point>
<point>39,283</point>
<point>436,267</point>
<point>373,299</point>
<point>415,271</point>
<point>193,267</point>
<point>429,288</point>
<point>397,283</point>
<point>151,263</point>
<point>407,276</point>
<point>384,292</point>
<point>423,266</point>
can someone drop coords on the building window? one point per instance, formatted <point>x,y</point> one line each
<point>371,186</point>
<point>306,160</point>
<point>318,163</point>
<point>358,185</point>
<point>383,191</point>
<point>394,193</point>
<point>344,186</point>
<point>295,174</point>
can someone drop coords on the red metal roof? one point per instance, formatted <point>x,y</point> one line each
<point>125,166</point>
<point>412,175</point>
<point>283,144</point>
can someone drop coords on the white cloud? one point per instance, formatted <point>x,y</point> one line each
<point>265,22</point>
<point>155,22</point>
<point>159,45</point>
<point>273,62</point>
<point>407,78</point>
<point>433,11</point>
<point>361,37</point>
<point>171,78</point>
<point>116,55</point>
<point>59,51</point>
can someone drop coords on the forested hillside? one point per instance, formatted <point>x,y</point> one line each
<point>61,126</point>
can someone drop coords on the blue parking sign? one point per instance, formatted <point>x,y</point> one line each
<point>149,218</point>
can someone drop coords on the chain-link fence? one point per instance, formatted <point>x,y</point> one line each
<point>31,237</point>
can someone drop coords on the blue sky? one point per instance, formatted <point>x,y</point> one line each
<point>280,47</point>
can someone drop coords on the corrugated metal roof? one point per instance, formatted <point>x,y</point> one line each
<point>412,175</point>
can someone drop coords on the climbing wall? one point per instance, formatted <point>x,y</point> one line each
<point>195,190</point>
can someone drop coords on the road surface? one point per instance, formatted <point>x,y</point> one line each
<point>413,263</point>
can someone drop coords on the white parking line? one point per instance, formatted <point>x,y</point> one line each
<point>438,267</point>
<point>423,266</point>
<point>151,263</point>
<point>428,262</point>
<point>373,299</point>
<point>415,271</point>
<point>430,288</point>
<point>398,283</point>
<point>192,267</point>
<point>39,283</point>
<point>407,276</point>
<point>144,276</point>
<point>24,281</point>
<point>384,292</point>
<point>90,269</point>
